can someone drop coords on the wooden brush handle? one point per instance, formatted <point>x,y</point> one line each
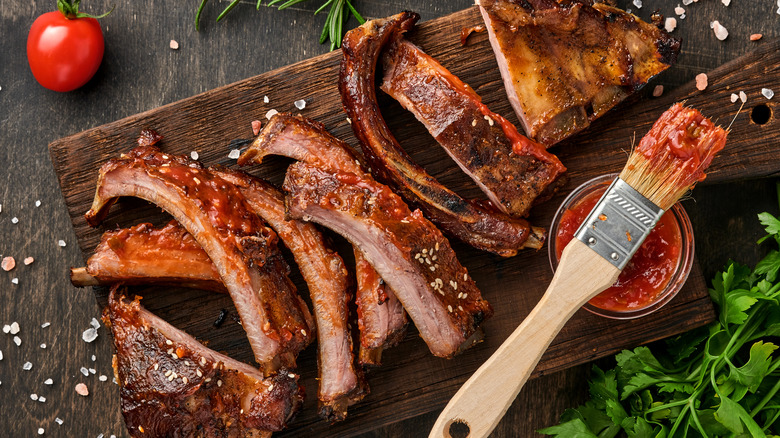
<point>484,398</point>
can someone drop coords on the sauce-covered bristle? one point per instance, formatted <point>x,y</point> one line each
<point>673,156</point>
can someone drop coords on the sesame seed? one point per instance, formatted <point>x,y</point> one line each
<point>425,251</point>
<point>437,246</point>
<point>198,373</point>
<point>271,387</point>
<point>203,361</point>
<point>219,383</point>
<point>291,375</point>
<point>449,308</point>
<point>433,284</point>
<point>185,380</point>
<point>171,377</point>
<point>168,342</point>
<point>465,277</point>
<point>303,332</point>
<point>433,268</point>
<point>208,379</point>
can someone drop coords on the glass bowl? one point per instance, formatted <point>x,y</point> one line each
<point>678,276</point>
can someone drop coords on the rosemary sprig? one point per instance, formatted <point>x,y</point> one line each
<point>333,29</point>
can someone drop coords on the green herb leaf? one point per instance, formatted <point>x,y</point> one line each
<point>753,372</point>
<point>575,428</point>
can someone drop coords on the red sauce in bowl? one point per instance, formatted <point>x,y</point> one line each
<point>649,270</point>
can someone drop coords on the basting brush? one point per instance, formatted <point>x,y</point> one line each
<point>666,164</point>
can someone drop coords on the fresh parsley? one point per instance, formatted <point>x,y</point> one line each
<point>717,381</point>
<point>339,12</point>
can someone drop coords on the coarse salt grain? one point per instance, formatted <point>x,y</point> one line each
<point>82,390</point>
<point>638,4</point>
<point>658,91</point>
<point>59,421</point>
<point>687,2</point>
<point>17,341</point>
<point>670,24</point>
<point>95,323</point>
<point>28,261</point>
<point>679,10</point>
<point>6,328</point>
<point>234,154</point>
<point>300,104</point>
<point>256,125</point>
<point>92,371</point>
<point>1,354</point>
<point>43,346</point>
<point>89,334</point>
<point>721,32</point>
<point>14,220</point>
<point>767,93</point>
<point>756,37</point>
<point>34,397</point>
<point>271,113</point>
<point>45,324</point>
<point>734,97</point>
<point>174,45</point>
<point>725,2</point>
<point>61,243</point>
<point>48,382</point>
<point>194,155</point>
<point>701,81</point>
<point>742,96</point>
<point>27,366</point>
<point>41,431</point>
<point>42,399</point>
<point>84,371</point>
<point>265,99</point>
<point>15,280</point>
<point>94,358</point>
<point>38,203</point>
<point>102,378</point>
<point>8,263</point>
<point>15,328</point>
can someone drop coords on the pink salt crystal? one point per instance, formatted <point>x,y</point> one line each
<point>174,45</point>
<point>756,37</point>
<point>658,91</point>
<point>701,81</point>
<point>8,263</point>
<point>28,261</point>
<point>256,125</point>
<point>82,390</point>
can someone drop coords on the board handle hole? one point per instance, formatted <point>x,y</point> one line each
<point>761,114</point>
<point>459,429</point>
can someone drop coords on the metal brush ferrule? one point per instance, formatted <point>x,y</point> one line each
<point>619,223</point>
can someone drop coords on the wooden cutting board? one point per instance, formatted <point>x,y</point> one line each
<point>412,381</point>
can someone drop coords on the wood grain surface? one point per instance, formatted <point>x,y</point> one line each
<point>140,73</point>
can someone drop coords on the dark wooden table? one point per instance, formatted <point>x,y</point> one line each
<point>140,72</point>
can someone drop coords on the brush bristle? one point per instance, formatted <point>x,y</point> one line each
<point>673,156</point>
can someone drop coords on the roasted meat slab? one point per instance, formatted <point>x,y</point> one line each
<point>241,247</point>
<point>566,63</point>
<point>381,321</point>
<point>511,170</point>
<point>407,251</point>
<point>144,254</point>
<point>474,222</point>
<point>171,385</point>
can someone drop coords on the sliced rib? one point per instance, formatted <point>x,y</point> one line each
<point>144,254</point>
<point>341,383</point>
<point>241,247</point>
<point>511,170</point>
<point>407,250</point>
<point>171,385</point>
<point>308,141</point>
<point>564,64</point>
<point>381,317</point>
<point>474,222</point>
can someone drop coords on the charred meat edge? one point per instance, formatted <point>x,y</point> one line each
<point>341,383</point>
<point>476,223</point>
<point>510,169</point>
<point>407,250</point>
<point>308,141</point>
<point>241,247</point>
<point>143,254</point>
<point>381,318</point>
<point>171,385</point>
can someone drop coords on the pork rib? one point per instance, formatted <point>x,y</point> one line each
<point>171,385</point>
<point>511,170</point>
<point>564,64</point>
<point>241,247</point>
<point>407,250</point>
<point>143,254</point>
<point>308,141</point>
<point>474,222</point>
<point>341,383</point>
<point>381,317</point>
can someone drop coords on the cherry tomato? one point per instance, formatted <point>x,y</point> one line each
<point>64,53</point>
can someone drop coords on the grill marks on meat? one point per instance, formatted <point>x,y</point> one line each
<point>341,383</point>
<point>565,64</point>
<point>241,247</point>
<point>143,254</point>
<point>511,170</point>
<point>171,385</point>
<point>308,141</point>
<point>381,317</point>
<point>474,222</point>
<point>408,251</point>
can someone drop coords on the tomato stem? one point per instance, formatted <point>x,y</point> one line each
<point>70,9</point>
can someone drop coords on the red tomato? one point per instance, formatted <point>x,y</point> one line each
<point>64,53</point>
